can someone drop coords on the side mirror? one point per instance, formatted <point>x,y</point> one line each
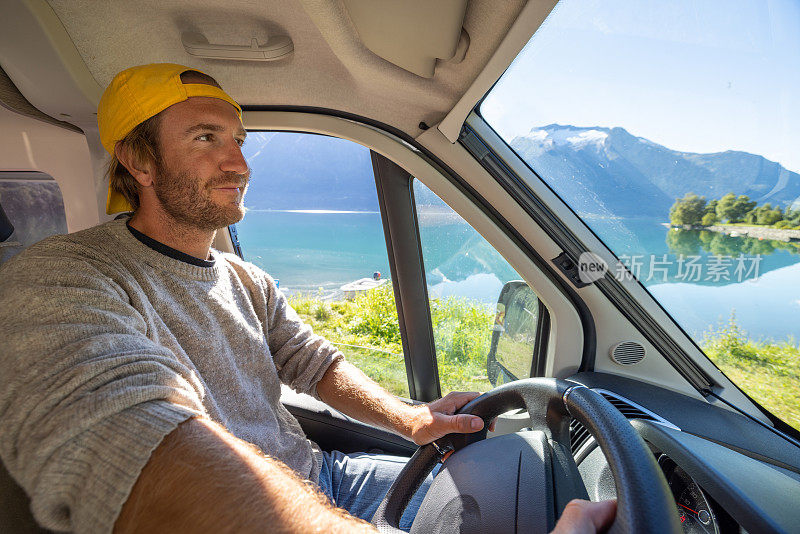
<point>519,337</point>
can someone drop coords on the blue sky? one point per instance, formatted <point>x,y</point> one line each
<point>692,75</point>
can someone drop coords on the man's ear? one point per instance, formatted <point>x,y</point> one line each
<point>142,171</point>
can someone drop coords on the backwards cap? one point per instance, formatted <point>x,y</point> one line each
<point>138,93</point>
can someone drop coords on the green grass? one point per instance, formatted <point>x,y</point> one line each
<point>462,333</point>
<point>767,371</point>
<point>366,330</point>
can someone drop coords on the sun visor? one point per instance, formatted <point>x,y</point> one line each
<point>527,22</point>
<point>413,34</point>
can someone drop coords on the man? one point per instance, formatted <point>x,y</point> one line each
<point>140,385</point>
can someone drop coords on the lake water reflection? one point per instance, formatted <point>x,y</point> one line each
<point>701,277</point>
<point>308,251</point>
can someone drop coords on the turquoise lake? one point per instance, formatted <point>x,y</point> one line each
<point>320,251</point>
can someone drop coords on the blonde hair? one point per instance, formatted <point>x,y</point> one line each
<point>142,142</point>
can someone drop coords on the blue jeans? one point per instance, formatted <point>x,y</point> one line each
<point>358,482</point>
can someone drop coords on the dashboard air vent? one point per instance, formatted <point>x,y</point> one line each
<point>579,436</point>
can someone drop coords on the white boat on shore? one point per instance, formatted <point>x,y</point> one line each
<point>362,285</point>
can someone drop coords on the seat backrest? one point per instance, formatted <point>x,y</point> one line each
<point>33,208</point>
<point>6,228</point>
<point>30,209</point>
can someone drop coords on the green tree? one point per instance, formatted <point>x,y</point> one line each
<point>774,217</point>
<point>756,216</point>
<point>767,215</point>
<point>793,216</point>
<point>725,209</point>
<point>742,206</point>
<point>734,209</point>
<point>688,210</point>
<point>686,242</point>
<point>709,219</point>
<point>711,207</point>
<point>764,215</point>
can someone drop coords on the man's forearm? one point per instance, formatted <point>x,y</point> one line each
<point>203,479</point>
<point>349,390</point>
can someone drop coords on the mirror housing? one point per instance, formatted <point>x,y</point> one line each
<point>519,336</point>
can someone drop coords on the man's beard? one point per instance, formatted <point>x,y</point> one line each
<point>189,201</point>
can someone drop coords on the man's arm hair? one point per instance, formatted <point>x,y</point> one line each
<point>203,479</point>
<point>348,389</point>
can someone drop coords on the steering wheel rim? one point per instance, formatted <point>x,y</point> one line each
<point>644,501</point>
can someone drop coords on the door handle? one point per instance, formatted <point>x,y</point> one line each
<point>277,47</point>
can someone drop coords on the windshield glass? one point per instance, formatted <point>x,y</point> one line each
<point>671,129</point>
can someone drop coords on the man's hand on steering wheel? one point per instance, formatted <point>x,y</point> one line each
<point>645,502</point>
<point>586,517</point>
<point>437,419</point>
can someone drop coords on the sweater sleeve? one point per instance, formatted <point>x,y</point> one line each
<point>85,395</point>
<point>301,357</point>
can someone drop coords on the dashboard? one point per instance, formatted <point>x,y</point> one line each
<point>719,475</point>
<point>698,513</point>
<point>727,473</point>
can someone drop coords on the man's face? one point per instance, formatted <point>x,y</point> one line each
<point>201,177</point>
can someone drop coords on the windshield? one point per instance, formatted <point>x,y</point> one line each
<point>671,129</point>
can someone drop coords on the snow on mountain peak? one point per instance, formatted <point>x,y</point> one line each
<point>589,136</point>
<point>558,135</point>
<point>538,135</point>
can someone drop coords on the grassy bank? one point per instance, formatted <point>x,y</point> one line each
<point>366,331</point>
<point>768,372</point>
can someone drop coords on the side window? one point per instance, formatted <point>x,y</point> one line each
<point>489,326</point>
<point>313,224</point>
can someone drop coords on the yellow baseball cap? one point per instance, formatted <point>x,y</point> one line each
<point>138,93</point>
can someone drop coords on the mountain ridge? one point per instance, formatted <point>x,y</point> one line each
<point>599,171</point>
<point>608,171</point>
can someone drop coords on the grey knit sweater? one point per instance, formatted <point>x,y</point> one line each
<point>107,345</point>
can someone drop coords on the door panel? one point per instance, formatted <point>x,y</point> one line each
<point>332,430</point>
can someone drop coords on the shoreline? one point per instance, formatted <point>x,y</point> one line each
<point>756,232</point>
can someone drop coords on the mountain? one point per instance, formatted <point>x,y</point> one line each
<point>292,171</point>
<point>599,171</point>
<point>609,172</point>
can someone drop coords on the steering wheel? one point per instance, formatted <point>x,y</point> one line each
<point>475,490</point>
